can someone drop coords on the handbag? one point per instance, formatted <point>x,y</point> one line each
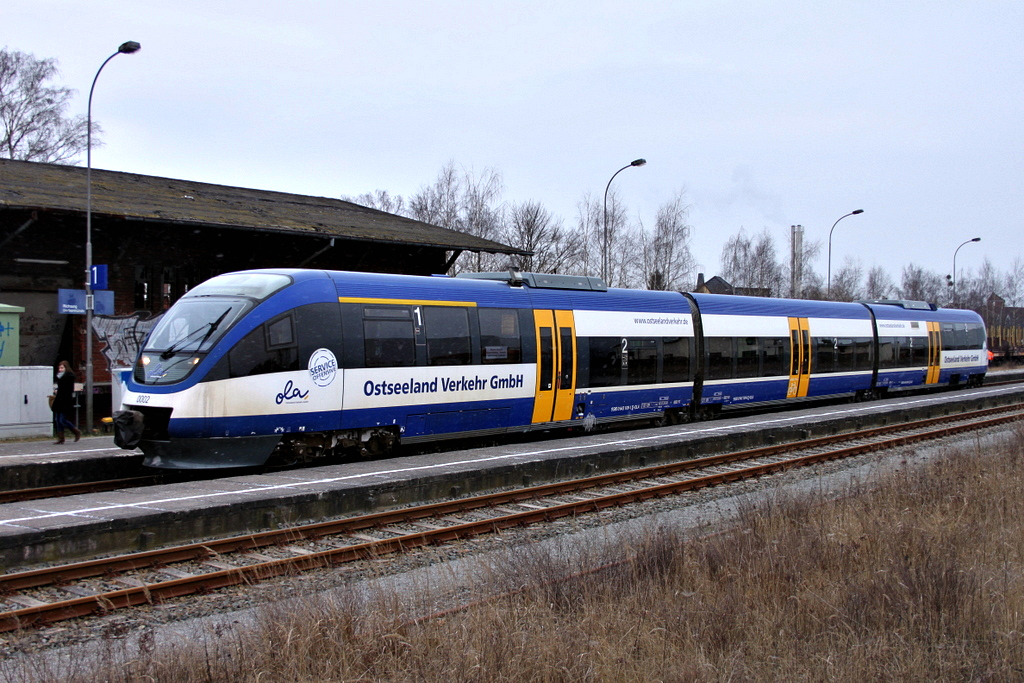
<point>50,399</point>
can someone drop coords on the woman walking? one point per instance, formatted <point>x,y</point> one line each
<point>64,403</point>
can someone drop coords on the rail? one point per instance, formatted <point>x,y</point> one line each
<point>204,567</point>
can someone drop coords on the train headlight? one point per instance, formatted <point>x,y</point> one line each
<point>145,361</point>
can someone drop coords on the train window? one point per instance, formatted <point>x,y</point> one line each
<point>826,352</point>
<point>247,354</point>
<point>389,343</point>
<point>846,355</point>
<point>797,352</point>
<point>391,312</point>
<point>642,361</point>
<point>280,332</point>
<point>775,361</point>
<point>195,325</point>
<point>747,357</point>
<point>499,336</point>
<point>954,337</point>
<point>565,344</point>
<point>904,353</point>
<point>863,358</point>
<point>253,285</point>
<point>888,350</point>
<point>255,356</point>
<point>283,344</point>
<point>676,352</point>
<point>605,361</point>
<point>947,337</point>
<point>547,359</point>
<point>720,355</point>
<point>919,355</point>
<point>447,330</point>
<point>975,335</point>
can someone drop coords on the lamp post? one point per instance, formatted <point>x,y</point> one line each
<point>976,239</point>
<point>604,247</point>
<point>828,294</point>
<point>126,48</point>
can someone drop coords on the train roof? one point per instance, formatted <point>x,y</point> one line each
<point>897,310</point>
<point>575,293</point>
<point>798,308</point>
<point>508,290</point>
<point>525,289</point>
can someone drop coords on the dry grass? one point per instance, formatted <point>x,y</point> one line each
<point>918,578</point>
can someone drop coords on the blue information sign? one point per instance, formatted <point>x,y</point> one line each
<point>104,301</point>
<point>99,277</point>
<point>72,302</point>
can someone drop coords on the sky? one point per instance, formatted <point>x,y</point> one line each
<point>764,114</point>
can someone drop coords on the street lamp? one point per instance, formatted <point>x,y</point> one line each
<point>126,48</point>
<point>828,294</point>
<point>604,248</point>
<point>976,239</point>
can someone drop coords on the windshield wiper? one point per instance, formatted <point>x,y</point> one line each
<point>178,346</point>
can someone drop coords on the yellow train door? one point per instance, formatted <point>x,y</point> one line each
<point>934,354</point>
<point>556,366</point>
<point>800,358</point>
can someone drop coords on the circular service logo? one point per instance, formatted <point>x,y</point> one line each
<point>323,366</point>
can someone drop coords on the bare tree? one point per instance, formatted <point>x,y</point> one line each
<point>919,284</point>
<point>736,257</point>
<point>589,231</point>
<point>1013,289</point>
<point>465,202</point>
<point>667,260</point>
<point>35,127</point>
<point>846,283</point>
<point>531,227</point>
<point>878,285</point>
<point>439,204</point>
<point>979,288</point>
<point>381,200</point>
<point>1013,284</point>
<point>481,213</point>
<point>753,266</point>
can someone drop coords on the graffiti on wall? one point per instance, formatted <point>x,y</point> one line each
<point>6,333</point>
<point>122,336</point>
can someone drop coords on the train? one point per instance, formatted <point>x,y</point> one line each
<point>292,365</point>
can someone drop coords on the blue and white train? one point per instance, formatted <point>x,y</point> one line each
<point>304,363</point>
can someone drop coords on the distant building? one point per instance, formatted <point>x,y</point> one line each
<point>717,285</point>
<point>160,237</point>
<point>1005,325</point>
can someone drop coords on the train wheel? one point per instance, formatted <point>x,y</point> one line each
<point>709,412</point>
<point>378,444</point>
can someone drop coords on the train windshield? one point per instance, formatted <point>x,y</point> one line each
<point>191,327</point>
<point>256,286</point>
<point>194,325</point>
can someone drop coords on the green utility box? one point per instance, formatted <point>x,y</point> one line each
<point>10,334</point>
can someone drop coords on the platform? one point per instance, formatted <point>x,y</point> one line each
<point>86,525</point>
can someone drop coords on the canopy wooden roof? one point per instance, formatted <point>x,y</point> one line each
<point>54,187</point>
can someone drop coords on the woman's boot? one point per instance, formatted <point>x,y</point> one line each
<point>77,433</point>
<point>60,437</point>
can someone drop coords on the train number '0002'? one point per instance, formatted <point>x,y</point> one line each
<point>142,399</point>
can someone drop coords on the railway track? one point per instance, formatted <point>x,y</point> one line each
<point>42,596</point>
<point>57,491</point>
